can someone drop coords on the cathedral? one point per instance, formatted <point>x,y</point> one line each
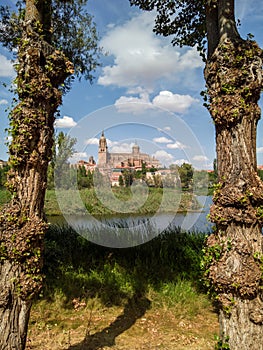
<point>121,160</point>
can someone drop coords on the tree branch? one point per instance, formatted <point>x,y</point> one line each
<point>226,20</point>
<point>212,26</point>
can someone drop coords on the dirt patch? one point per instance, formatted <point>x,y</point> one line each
<point>135,326</point>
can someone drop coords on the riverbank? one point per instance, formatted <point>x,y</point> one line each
<point>120,200</point>
<point>170,201</point>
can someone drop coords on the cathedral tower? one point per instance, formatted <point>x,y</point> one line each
<point>135,149</point>
<point>103,155</point>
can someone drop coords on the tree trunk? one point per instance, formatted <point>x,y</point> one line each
<point>40,72</point>
<point>226,20</point>
<point>234,253</point>
<point>14,311</point>
<point>212,27</point>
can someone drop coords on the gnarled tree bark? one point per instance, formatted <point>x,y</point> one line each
<point>40,71</point>
<point>234,252</point>
<point>234,257</point>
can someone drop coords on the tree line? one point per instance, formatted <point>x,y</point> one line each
<point>182,176</point>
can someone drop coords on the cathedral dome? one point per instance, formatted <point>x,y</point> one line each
<point>135,149</point>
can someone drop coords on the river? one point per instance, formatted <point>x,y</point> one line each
<point>106,231</point>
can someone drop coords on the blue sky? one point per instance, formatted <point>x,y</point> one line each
<point>146,91</point>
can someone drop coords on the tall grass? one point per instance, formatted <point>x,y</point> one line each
<point>76,267</point>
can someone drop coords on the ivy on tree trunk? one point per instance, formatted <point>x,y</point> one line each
<point>40,71</point>
<point>234,253</point>
<point>233,259</point>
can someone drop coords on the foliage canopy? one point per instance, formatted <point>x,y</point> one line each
<point>184,19</point>
<point>67,27</point>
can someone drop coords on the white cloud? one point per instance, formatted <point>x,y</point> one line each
<point>6,67</point>
<point>92,141</point>
<point>114,146</point>
<point>165,128</point>
<point>111,143</point>
<point>165,100</point>
<point>144,98</point>
<point>259,149</point>
<point>133,104</point>
<point>181,161</point>
<point>78,156</point>
<point>200,158</point>
<point>177,145</point>
<point>118,147</point>
<point>3,102</point>
<point>190,60</point>
<point>65,122</point>
<point>173,102</point>
<point>162,140</point>
<point>164,157</point>
<point>204,166</point>
<point>141,58</point>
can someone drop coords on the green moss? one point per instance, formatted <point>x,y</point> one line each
<point>222,343</point>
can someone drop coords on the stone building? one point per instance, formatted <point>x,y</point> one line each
<point>135,159</point>
<point>89,166</point>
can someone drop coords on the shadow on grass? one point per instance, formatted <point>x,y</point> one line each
<point>78,268</point>
<point>134,309</point>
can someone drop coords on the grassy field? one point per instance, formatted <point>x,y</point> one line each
<point>145,297</point>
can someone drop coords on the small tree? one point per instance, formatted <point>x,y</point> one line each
<point>64,149</point>
<point>144,170</point>
<point>186,173</point>
<point>90,179</point>
<point>121,181</point>
<point>128,177</point>
<point>82,177</point>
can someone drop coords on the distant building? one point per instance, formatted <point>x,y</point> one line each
<point>115,176</point>
<point>165,177</point>
<point>89,166</point>
<point>135,159</point>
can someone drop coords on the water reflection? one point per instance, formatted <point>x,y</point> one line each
<point>194,221</point>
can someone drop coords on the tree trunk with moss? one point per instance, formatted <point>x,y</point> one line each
<point>40,72</point>
<point>233,261</point>
<point>234,253</point>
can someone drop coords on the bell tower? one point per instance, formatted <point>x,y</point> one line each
<point>135,149</point>
<point>103,155</point>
